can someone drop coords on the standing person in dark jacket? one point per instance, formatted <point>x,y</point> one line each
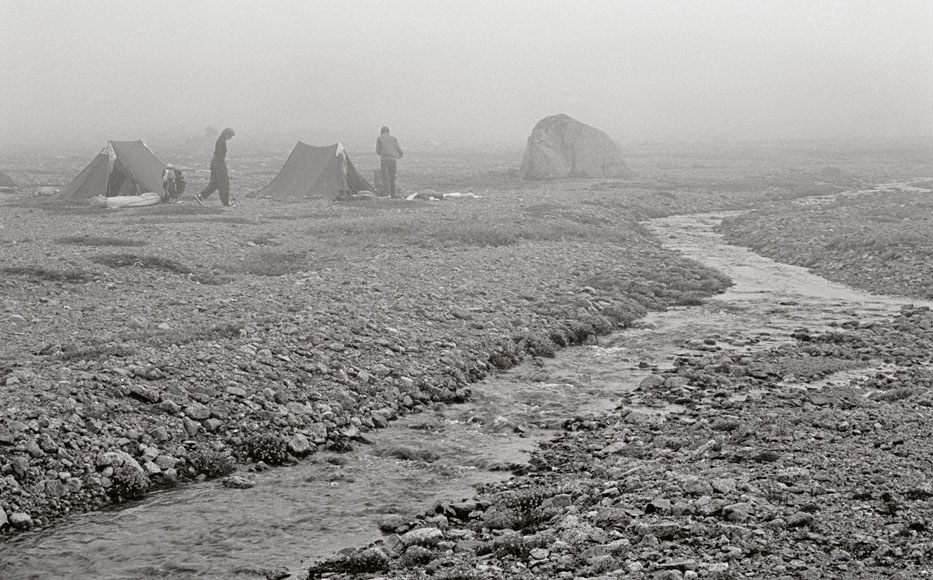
<point>220,179</point>
<point>389,153</point>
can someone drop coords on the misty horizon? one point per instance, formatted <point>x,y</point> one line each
<point>457,74</point>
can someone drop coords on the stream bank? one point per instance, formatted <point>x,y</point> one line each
<point>311,511</point>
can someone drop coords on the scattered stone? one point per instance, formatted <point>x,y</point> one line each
<point>422,537</point>
<point>21,520</point>
<point>238,482</point>
<point>299,446</point>
<point>197,411</point>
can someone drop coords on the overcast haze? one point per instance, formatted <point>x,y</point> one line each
<point>481,71</point>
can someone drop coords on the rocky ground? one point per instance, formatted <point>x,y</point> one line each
<point>774,465</point>
<point>152,347</point>
<point>828,236</point>
<point>725,467</point>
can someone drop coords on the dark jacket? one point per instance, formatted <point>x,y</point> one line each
<point>387,147</point>
<point>220,148</point>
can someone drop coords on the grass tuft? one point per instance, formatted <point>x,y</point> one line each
<point>265,240</point>
<point>179,209</point>
<point>212,463</point>
<point>137,261</point>
<point>274,263</point>
<point>96,241</point>
<point>269,448</point>
<point>96,352</point>
<point>37,274</point>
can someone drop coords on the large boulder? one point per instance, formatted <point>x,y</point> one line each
<point>560,146</point>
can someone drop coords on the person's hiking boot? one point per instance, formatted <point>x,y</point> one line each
<point>231,204</point>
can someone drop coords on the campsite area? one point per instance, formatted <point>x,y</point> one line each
<point>151,348</point>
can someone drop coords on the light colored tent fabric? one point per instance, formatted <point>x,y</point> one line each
<point>121,168</point>
<point>312,172</point>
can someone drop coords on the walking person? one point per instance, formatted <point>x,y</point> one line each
<point>389,152</point>
<point>220,178</point>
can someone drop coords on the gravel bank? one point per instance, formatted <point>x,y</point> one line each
<point>768,466</point>
<point>152,347</point>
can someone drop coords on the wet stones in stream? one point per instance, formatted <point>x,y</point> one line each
<point>728,465</point>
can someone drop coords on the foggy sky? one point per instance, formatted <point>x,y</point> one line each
<point>476,71</point>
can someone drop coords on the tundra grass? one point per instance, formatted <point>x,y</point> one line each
<point>39,274</point>
<point>99,241</point>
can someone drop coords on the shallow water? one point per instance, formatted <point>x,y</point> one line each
<point>298,514</point>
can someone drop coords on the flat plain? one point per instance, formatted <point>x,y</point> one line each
<point>151,347</point>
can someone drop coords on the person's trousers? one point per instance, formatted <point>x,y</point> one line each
<point>389,168</point>
<point>219,182</point>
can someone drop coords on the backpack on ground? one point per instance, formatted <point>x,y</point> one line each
<point>179,183</point>
<point>173,184</point>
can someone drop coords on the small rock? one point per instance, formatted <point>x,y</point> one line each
<point>676,382</point>
<point>393,523</point>
<point>393,545</point>
<point>660,530</point>
<point>54,488</point>
<point>658,505</point>
<point>650,382</point>
<point>20,465</point>
<point>422,537</point>
<point>237,482</point>
<point>145,394</point>
<point>723,485</point>
<point>34,449</point>
<point>170,406</point>
<point>137,322</point>
<point>461,313</point>
<point>191,427</point>
<point>799,519</point>
<point>197,411</point>
<point>277,573</point>
<point>737,512</point>
<point>160,434</point>
<point>561,500</point>
<point>793,475</point>
<point>682,565</point>
<point>21,520</point>
<point>318,432</point>
<point>693,485</point>
<point>299,446</point>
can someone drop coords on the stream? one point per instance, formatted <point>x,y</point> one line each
<point>298,514</point>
